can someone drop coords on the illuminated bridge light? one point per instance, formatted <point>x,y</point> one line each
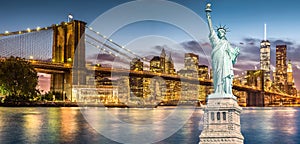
<point>28,29</point>
<point>6,32</point>
<point>98,32</point>
<point>90,28</point>
<point>20,32</point>
<point>38,28</point>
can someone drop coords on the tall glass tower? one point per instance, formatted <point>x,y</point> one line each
<point>265,54</point>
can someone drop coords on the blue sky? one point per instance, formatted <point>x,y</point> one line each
<point>245,19</point>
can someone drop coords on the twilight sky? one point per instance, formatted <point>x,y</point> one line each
<point>245,19</point>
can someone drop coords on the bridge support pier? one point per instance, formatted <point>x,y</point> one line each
<point>62,83</point>
<point>57,81</point>
<point>255,99</point>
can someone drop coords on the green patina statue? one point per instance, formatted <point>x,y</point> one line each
<point>223,57</point>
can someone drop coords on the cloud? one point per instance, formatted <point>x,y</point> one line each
<point>281,42</point>
<point>202,49</point>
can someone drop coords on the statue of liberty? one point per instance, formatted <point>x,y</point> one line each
<point>223,57</point>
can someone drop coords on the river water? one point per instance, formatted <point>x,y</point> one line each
<point>163,125</point>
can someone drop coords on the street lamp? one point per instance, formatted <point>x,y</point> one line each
<point>70,17</point>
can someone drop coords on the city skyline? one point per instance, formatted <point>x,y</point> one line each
<point>246,26</point>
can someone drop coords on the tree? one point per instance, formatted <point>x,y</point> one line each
<point>18,78</point>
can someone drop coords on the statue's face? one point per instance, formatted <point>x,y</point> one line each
<point>221,33</point>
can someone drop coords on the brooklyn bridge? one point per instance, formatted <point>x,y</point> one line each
<point>60,50</point>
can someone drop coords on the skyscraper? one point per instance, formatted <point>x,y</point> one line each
<point>162,64</point>
<point>191,61</point>
<point>136,65</point>
<point>265,56</point>
<point>163,61</point>
<point>290,78</point>
<point>291,87</point>
<point>170,65</point>
<point>281,68</point>
<point>136,82</point>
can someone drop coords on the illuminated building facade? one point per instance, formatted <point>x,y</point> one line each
<point>156,89</point>
<point>281,68</point>
<point>291,87</point>
<point>162,64</point>
<point>203,72</point>
<point>265,57</point>
<point>191,61</point>
<point>136,82</point>
<point>265,54</point>
<point>136,65</point>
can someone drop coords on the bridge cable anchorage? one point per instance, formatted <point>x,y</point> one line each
<point>116,44</point>
<point>108,46</point>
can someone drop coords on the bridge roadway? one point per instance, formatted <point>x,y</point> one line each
<point>50,67</point>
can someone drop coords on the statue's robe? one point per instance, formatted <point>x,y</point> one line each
<point>223,58</point>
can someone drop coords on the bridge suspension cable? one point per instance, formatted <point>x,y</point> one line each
<point>30,44</point>
<point>107,46</point>
<point>116,44</point>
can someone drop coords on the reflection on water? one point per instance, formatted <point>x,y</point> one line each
<point>275,125</point>
<point>68,125</point>
<point>137,125</point>
<point>32,125</point>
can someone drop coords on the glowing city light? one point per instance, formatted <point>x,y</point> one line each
<point>70,16</point>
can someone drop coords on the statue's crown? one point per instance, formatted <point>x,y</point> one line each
<point>226,29</point>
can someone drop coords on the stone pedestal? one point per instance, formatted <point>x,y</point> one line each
<point>221,122</point>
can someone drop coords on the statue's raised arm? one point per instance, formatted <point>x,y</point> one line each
<point>208,11</point>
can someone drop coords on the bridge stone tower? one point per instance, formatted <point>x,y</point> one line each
<point>69,49</point>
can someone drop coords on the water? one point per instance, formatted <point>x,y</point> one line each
<point>68,125</point>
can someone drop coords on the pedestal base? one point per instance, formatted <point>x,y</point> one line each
<point>221,122</point>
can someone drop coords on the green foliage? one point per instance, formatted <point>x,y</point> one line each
<point>18,78</point>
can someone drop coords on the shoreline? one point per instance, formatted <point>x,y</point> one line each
<point>75,104</point>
